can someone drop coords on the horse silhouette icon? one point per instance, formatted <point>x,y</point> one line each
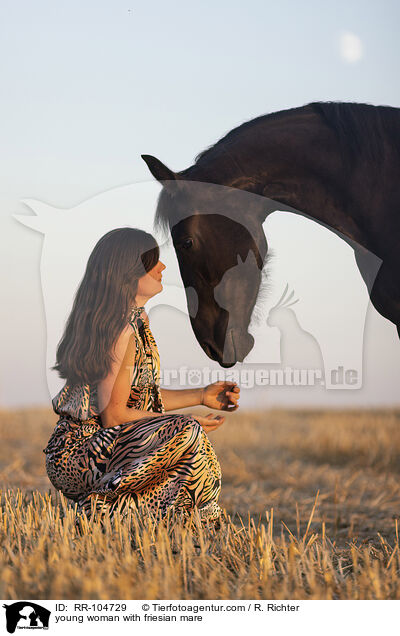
<point>26,614</point>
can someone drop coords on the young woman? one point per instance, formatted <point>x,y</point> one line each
<point>114,444</point>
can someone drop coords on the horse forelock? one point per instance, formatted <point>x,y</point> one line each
<point>164,216</point>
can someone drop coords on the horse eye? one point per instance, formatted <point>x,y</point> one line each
<point>187,243</point>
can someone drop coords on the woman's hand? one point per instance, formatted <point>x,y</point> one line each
<point>211,422</point>
<point>221,395</point>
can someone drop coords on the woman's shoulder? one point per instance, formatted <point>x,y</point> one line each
<point>127,331</point>
<point>126,339</point>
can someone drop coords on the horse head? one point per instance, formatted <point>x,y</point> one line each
<point>221,250</point>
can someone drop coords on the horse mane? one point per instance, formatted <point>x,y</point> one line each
<point>360,128</point>
<point>209,152</point>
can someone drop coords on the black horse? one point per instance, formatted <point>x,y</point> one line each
<point>337,163</point>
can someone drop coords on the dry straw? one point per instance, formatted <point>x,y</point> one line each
<point>310,499</point>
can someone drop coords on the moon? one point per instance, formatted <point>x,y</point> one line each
<point>350,47</point>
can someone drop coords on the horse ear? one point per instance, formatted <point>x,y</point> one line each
<point>158,169</point>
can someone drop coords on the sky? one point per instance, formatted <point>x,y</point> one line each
<point>86,88</point>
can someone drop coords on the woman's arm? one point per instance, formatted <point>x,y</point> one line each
<point>114,390</point>
<point>180,398</point>
<point>219,395</point>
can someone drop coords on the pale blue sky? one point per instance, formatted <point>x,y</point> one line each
<point>86,87</point>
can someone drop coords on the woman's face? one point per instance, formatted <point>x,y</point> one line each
<point>150,284</point>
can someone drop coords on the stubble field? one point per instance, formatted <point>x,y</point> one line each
<point>311,505</point>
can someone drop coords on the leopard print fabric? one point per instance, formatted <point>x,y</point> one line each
<point>155,464</point>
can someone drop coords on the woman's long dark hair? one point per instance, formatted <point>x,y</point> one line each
<point>103,302</point>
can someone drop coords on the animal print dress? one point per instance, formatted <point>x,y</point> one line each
<point>156,463</point>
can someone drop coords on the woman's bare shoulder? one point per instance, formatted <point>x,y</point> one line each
<point>126,339</point>
<point>129,329</point>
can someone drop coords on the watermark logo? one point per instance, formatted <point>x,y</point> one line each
<point>26,615</point>
<point>249,378</point>
<point>308,328</point>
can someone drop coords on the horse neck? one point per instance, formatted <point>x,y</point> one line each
<point>294,162</point>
